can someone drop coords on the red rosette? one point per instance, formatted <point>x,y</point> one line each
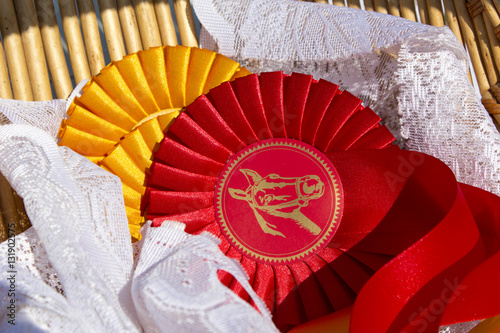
<point>243,113</point>
<point>303,187</point>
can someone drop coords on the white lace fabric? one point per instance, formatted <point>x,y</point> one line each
<point>75,267</point>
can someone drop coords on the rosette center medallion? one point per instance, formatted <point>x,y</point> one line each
<point>278,201</point>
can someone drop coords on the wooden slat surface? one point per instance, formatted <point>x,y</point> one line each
<point>76,48</point>
<point>354,4</point>
<point>380,6</point>
<point>33,50</point>
<point>112,30</point>
<point>129,25</point>
<point>423,11</point>
<point>5,91</point>
<point>185,22</point>
<point>491,12</point>
<point>91,36</point>
<point>497,5</point>
<point>22,217</point>
<point>14,52</point>
<point>4,234</point>
<point>53,48</point>
<point>393,7</point>
<point>452,19</point>
<point>369,5</point>
<point>485,49</point>
<point>494,43</point>
<point>466,27</point>
<point>165,22</point>
<point>148,27</point>
<point>407,8</point>
<point>435,13</point>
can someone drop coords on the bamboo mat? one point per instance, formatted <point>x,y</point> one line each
<point>475,23</point>
<point>32,54</point>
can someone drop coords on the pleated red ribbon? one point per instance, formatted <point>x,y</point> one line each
<point>445,237</point>
<point>414,249</point>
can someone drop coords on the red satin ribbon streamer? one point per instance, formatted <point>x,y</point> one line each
<point>445,237</point>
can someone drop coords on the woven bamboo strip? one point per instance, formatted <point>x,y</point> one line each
<point>408,10</point>
<point>148,26</point>
<point>423,11</point>
<point>475,7</point>
<point>393,7</point>
<point>4,234</point>
<point>14,52</point>
<point>8,205</point>
<point>470,40</point>
<point>33,50</point>
<point>185,22</point>
<point>495,47</point>
<point>493,16</point>
<point>489,325</point>
<point>492,13</point>
<point>354,4</point>
<point>483,42</point>
<point>129,26</point>
<point>369,5</point>
<point>380,6</point>
<point>165,22</point>
<point>53,48</point>
<point>112,30</point>
<point>495,54</point>
<point>338,2</point>
<point>493,108</point>
<point>435,13</point>
<point>497,4</point>
<point>76,49</point>
<point>5,91</point>
<point>91,36</point>
<point>496,93</point>
<point>24,222</point>
<point>452,19</point>
<point>495,44</point>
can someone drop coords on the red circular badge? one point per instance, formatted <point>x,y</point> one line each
<point>278,201</point>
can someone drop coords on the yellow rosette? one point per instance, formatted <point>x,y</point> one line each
<point>124,111</point>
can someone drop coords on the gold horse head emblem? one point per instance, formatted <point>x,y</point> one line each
<point>280,196</point>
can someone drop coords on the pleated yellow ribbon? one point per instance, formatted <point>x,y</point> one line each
<point>124,111</point>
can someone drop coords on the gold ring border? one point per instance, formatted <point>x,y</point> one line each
<point>263,258</point>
